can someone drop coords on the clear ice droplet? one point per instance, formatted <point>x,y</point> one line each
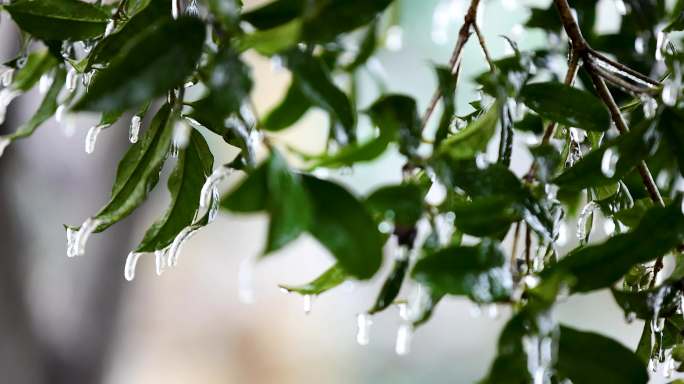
<point>363,322</point>
<point>91,137</point>
<point>404,336</point>
<point>134,129</point>
<point>131,263</point>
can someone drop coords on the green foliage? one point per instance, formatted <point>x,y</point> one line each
<point>589,148</point>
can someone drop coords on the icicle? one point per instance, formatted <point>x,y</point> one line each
<point>174,249</point>
<point>404,336</point>
<point>181,134</point>
<point>215,205</point>
<point>308,299</point>
<point>134,129</point>
<point>192,9</point>
<point>662,40</point>
<point>71,80</point>
<point>76,240</point>
<point>403,311</point>
<point>246,281</point>
<point>6,77</point>
<point>131,263</point>
<point>584,215</point>
<point>160,261</point>
<point>670,93</point>
<point>609,162</point>
<point>109,28</point>
<point>395,38</point>
<point>668,365</point>
<point>4,142</point>
<point>6,97</point>
<point>363,322</point>
<point>621,7</point>
<point>91,137</point>
<point>44,83</point>
<point>209,190</point>
<point>481,161</point>
<point>65,120</point>
<point>175,8</point>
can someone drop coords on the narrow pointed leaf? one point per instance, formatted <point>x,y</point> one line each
<point>472,139</point>
<point>293,106</point>
<point>250,195</point>
<point>155,62</point>
<point>391,287</point>
<point>185,184</point>
<point>330,279</point>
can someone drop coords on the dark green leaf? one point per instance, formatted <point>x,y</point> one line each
<point>331,18</point>
<point>661,301</point>
<point>486,216</point>
<point>342,224</point>
<point>154,63</point>
<point>548,159</point>
<point>317,85</point>
<point>185,184</point>
<point>330,279</point>
<point>391,287</point>
<point>472,139</point>
<point>599,266</point>
<point>367,47</point>
<point>447,90</point>
<point>58,19</point>
<point>138,171</point>
<point>274,13</point>
<point>37,64</point>
<point>587,357</point>
<point>479,272</point>
<point>402,203</point>
<point>632,216</point>
<point>569,106</point>
<point>293,106</point>
<point>271,41</point>
<point>250,195</point>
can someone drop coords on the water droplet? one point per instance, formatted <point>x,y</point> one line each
<point>76,240</point>
<point>134,129</point>
<point>481,161</point>
<point>385,226</point>
<point>650,106</point>
<point>609,162</point>
<point>246,281</point>
<point>395,38</point>
<point>4,142</point>
<point>308,300</point>
<point>209,189</point>
<point>404,336</point>
<point>662,40</point>
<point>181,134</point>
<point>71,80</point>
<point>131,263</point>
<point>160,261</point>
<point>639,45</point>
<point>91,137</point>
<point>66,120</point>
<point>363,323</point>
<point>658,324</point>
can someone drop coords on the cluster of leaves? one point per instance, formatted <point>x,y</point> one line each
<point>140,55</point>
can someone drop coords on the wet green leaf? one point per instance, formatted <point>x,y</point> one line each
<point>330,279</point>
<point>58,19</point>
<point>194,165</point>
<point>293,106</point>
<point>569,106</point>
<point>152,64</point>
<point>472,139</point>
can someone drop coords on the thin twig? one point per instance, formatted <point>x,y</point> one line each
<point>454,61</point>
<point>481,39</point>
<point>514,247</point>
<point>570,75</point>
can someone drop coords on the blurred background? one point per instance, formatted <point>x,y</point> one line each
<point>79,321</point>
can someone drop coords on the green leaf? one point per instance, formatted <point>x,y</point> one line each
<point>569,106</point>
<point>627,150</point>
<point>185,184</point>
<point>47,108</point>
<point>479,272</point>
<point>599,266</point>
<point>670,125</point>
<point>336,17</point>
<point>472,139</point>
<point>447,90</point>
<point>391,287</point>
<point>548,160</point>
<point>138,171</point>
<point>510,364</point>
<point>342,224</point>
<point>37,64</point>
<point>530,123</point>
<point>293,106</point>
<point>288,204</point>
<point>632,216</point>
<point>317,85</point>
<point>155,62</point>
<point>58,19</point>
<point>250,195</point>
<point>330,279</point>
<point>403,203</point>
<point>271,41</point>
<point>366,48</point>
<point>486,216</point>
<point>150,17</point>
<point>662,301</point>
<point>275,13</point>
<point>587,357</point>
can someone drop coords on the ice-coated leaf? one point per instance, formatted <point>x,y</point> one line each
<point>567,105</point>
<point>328,280</point>
<point>646,304</point>
<point>58,19</point>
<point>447,90</point>
<point>153,63</point>
<point>194,165</point>
<point>37,64</point>
<point>472,139</point>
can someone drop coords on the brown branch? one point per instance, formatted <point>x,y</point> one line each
<point>454,61</point>
<point>483,45</point>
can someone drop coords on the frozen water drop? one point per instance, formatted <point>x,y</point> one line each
<point>609,162</point>
<point>210,185</point>
<point>277,63</point>
<point>4,142</point>
<point>131,263</point>
<point>621,7</point>
<point>246,281</point>
<point>363,323</point>
<point>71,235</point>
<point>658,324</point>
<point>192,9</point>
<point>307,300</point>
<point>6,77</point>
<point>6,97</point>
<point>71,80</point>
<point>109,28</point>
<point>585,214</point>
<point>404,336</point>
<point>670,93</point>
<point>44,83</point>
<point>215,204</point>
<point>481,161</point>
<point>159,261</point>
<point>395,38</point>
<point>91,137</point>
<point>650,106</point>
<point>174,249</point>
<point>181,134</point>
<point>639,45</point>
<point>134,129</point>
<point>80,239</point>
<point>609,227</point>
<point>662,40</point>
